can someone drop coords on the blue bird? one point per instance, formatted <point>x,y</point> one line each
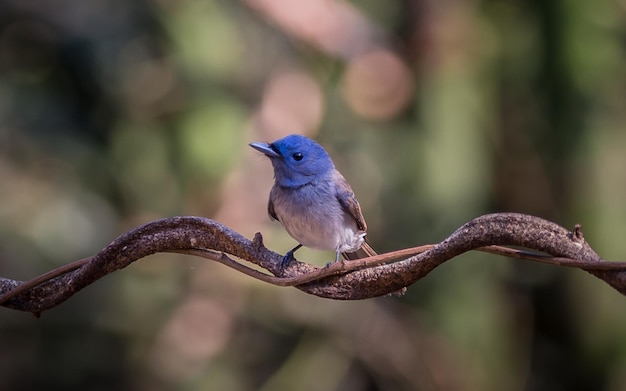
<point>312,200</point>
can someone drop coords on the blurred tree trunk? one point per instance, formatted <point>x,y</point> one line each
<point>539,130</point>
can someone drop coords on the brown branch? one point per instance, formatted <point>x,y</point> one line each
<point>346,280</point>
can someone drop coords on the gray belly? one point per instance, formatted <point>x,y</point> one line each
<point>314,217</point>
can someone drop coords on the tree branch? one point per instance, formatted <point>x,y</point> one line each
<point>346,280</point>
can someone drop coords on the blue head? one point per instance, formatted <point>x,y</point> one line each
<point>297,160</point>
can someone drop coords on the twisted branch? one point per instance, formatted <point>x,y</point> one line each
<point>346,280</point>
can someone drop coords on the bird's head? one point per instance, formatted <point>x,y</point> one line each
<point>297,160</point>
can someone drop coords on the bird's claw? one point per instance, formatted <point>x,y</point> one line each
<point>335,261</point>
<point>289,256</point>
<point>287,259</point>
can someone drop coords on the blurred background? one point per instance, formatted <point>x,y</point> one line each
<point>117,113</point>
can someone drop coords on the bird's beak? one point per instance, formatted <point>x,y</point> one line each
<point>265,148</point>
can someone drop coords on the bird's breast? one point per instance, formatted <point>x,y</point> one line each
<point>313,216</point>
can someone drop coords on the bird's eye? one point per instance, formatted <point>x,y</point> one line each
<point>297,156</point>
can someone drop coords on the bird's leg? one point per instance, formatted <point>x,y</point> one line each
<point>289,256</point>
<point>336,259</point>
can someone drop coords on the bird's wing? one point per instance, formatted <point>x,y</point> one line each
<point>364,251</point>
<point>348,201</point>
<point>270,210</point>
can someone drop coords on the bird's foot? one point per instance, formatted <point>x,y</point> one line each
<point>335,261</point>
<point>287,259</point>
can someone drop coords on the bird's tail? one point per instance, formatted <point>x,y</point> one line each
<point>363,252</point>
<point>367,251</point>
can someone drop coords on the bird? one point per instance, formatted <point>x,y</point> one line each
<point>312,200</point>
